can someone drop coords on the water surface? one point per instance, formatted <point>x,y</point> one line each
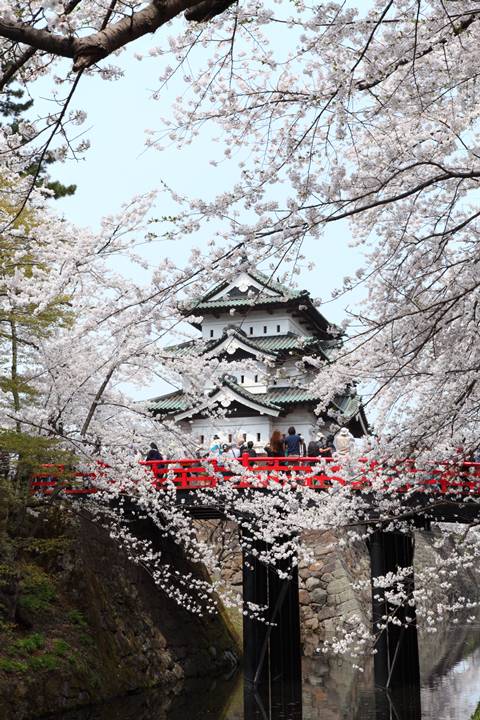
<point>331,690</point>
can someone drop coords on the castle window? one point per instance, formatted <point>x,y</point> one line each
<point>244,437</point>
<point>211,333</point>
<point>251,330</point>
<point>264,329</point>
<point>256,378</point>
<point>242,378</point>
<point>230,437</point>
<point>278,328</point>
<point>259,437</point>
<point>202,439</point>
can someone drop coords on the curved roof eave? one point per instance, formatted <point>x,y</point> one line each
<point>241,396</point>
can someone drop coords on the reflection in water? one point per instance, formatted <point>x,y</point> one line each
<point>332,690</point>
<point>454,695</point>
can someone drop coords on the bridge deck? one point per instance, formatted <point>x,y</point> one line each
<point>444,477</point>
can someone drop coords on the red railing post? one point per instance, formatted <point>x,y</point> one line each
<point>443,477</point>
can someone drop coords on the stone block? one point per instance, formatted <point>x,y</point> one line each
<point>312,582</point>
<point>312,624</point>
<point>345,595</point>
<point>325,549</point>
<point>318,596</point>
<point>338,586</point>
<point>327,612</point>
<point>304,597</point>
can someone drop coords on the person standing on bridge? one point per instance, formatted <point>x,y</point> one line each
<point>344,442</point>
<point>319,447</point>
<point>231,451</point>
<point>215,447</point>
<point>294,443</point>
<point>154,453</point>
<point>250,450</point>
<point>275,447</point>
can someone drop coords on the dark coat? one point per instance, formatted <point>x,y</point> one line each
<point>154,455</point>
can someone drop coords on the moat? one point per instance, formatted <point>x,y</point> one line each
<point>331,690</point>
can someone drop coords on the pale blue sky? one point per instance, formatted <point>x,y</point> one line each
<point>118,166</point>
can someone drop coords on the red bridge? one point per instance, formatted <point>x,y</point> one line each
<point>445,477</point>
<point>444,491</point>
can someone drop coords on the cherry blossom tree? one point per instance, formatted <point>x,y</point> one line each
<point>332,113</point>
<point>366,115</point>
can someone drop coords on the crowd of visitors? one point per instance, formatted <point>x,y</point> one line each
<point>293,444</point>
<point>280,444</point>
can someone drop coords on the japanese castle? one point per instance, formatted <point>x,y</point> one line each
<point>277,330</point>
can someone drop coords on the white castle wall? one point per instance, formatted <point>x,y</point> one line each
<point>257,428</point>
<point>278,323</point>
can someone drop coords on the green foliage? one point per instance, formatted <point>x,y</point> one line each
<point>77,618</point>
<point>7,573</point>
<point>34,449</point>
<point>43,662</point>
<point>37,590</point>
<point>45,547</point>
<point>37,654</point>
<point>6,628</point>
<point>12,666</point>
<point>13,108</point>
<point>10,107</point>
<point>22,328</point>
<point>26,645</point>
<point>60,190</point>
<point>86,640</point>
<point>60,647</point>
<point>476,714</point>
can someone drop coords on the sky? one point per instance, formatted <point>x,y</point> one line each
<point>118,166</point>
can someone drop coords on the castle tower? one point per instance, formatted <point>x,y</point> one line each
<point>274,328</point>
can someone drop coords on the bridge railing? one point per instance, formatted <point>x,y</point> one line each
<point>259,472</point>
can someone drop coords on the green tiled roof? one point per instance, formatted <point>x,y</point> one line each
<point>285,395</point>
<point>348,405</point>
<point>272,344</point>
<point>283,342</point>
<point>172,402</point>
<point>265,280</point>
<point>298,300</point>
<point>258,297</point>
<point>226,302</point>
<point>188,347</point>
<point>276,398</point>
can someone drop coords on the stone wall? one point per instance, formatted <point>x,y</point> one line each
<point>328,597</point>
<point>85,624</point>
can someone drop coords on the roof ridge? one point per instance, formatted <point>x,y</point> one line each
<point>264,279</point>
<point>255,274</point>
